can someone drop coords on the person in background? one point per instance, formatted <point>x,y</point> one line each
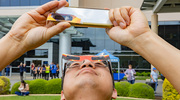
<point>154,78</point>
<point>47,72</point>
<point>0,73</point>
<point>32,67</point>
<point>8,70</point>
<point>23,88</point>
<point>51,65</point>
<point>53,71</point>
<point>130,74</point>
<point>34,72</point>
<point>43,69</point>
<point>24,71</point>
<point>38,71</point>
<point>57,71</point>
<point>21,70</point>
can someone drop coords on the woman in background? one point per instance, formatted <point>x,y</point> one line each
<point>130,74</point>
<point>23,88</point>
<point>34,72</point>
<point>43,69</point>
<point>39,71</point>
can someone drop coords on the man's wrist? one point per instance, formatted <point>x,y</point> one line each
<point>11,50</point>
<point>142,41</point>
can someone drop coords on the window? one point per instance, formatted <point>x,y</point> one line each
<point>40,53</point>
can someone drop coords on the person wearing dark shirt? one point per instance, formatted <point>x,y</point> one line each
<point>24,71</point>
<point>8,70</point>
<point>21,68</point>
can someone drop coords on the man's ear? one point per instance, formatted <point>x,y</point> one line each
<point>62,95</point>
<point>114,94</point>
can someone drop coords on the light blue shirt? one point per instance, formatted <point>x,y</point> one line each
<point>155,76</point>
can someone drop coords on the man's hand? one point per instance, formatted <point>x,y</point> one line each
<point>31,31</point>
<point>129,23</point>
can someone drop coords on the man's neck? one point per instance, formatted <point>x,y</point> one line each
<point>90,95</point>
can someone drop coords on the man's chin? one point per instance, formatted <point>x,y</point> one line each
<point>86,82</point>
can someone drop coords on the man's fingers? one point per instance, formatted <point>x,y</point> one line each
<point>119,19</point>
<point>111,17</point>
<point>56,29</point>
<point>51,6</point>
<point>125,15</point>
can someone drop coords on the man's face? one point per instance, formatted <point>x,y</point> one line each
<point>88,78</point>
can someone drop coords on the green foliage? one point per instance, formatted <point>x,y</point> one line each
<point>141,90</point>
<point>53,86</point>
<point>137,74</point>
<point>15,88</point>
<point>169,92</point>
<point>38,86</point>
<point>148,73</point>
<point>2,83</point>
<point>41,86</point>
<point>6,86</point>
<point>143,73</point>
<point>122,88</point>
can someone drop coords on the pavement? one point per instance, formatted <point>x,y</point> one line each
<point>16,78</point>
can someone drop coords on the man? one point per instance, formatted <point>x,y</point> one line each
<point>24,71</point>
<point>130,29</point>
<point>88,78</point>
<point>8,70</point>
<point>52,65</point>
<point>154,78</point>
<point>21,70</point>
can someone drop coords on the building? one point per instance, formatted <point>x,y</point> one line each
<point>86,40</point>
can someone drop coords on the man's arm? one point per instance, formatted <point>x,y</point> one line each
<point>132,30</point>
<point>152,78</point>
<point>30,31</point>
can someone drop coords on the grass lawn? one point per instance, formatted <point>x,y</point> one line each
<point>40,98</point>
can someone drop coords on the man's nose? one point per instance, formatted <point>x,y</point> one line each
<point>87,63</point>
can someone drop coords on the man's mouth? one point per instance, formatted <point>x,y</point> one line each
<point>87,70</point>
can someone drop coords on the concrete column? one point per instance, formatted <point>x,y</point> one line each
<point>154,22</point>
<point>154,26</point>
<point>74,3</point>
<point>64,46</point>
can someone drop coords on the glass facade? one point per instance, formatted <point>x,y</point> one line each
<point>23,2</point>
<point>93,41</point>
<point>37,53</point>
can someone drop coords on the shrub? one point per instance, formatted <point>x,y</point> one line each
<point>7,85</point>
<point>137,74</point>
<point>141,90</point>
<point>148,73</point>
<point>140,74</point>
<point>122,88</point>
<point>38,86</point>
<point>144,74</point>
<point>2,83</point>
<point>169,92</point>
<point>15,87</point>
<point>53,86</point>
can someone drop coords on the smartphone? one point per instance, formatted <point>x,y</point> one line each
<point>82,17</point>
